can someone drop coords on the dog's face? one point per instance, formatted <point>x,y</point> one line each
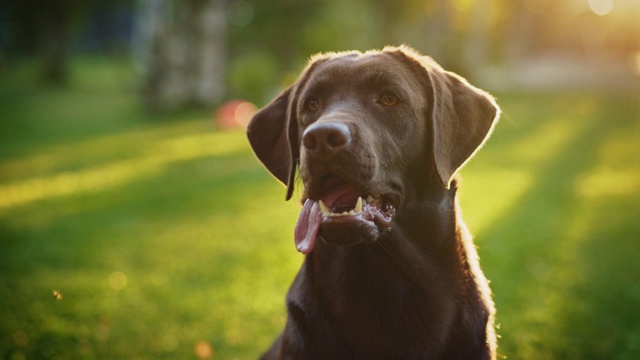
<point>369,132</point>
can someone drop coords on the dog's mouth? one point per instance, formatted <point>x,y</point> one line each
<point>346,214</point>
<point>339,199</point>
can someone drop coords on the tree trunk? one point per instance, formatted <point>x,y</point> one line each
<point>54,47</point>
<point>439,33</point>
<point>476,50</point>
<point>520,34</point>
<point>182,48</point>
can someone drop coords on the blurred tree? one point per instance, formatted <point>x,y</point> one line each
<point>182,44</point>
<point>268,42</point>
<point>476,45</point>
<point>440,32</point>
<point>45,28</point>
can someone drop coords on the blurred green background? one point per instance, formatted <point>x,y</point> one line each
<point>135,222</point>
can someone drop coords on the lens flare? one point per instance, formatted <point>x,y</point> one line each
<point>117,280</point>
<point>601,7</point>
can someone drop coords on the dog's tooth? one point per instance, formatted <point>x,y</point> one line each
<point>324,208</point>
<point>358,208</point>
<point>352,212</point>
<point>344,213</point>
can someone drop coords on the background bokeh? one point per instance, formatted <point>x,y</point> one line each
<point>135,222</point>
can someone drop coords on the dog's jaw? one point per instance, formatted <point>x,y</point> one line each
<point>342,215</point>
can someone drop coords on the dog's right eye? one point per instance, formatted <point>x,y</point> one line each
<point>312,104</point>
<point>388,98</point>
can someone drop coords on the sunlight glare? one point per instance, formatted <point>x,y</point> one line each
<point>21,338</point>
<point>234,113</point>
<point>244,112</point>
<point>601,7</point>
<point>117,280</point>
<point>203,350</point>
<point>607,183</point>
<point>104,177</point>
<point>553,137</point>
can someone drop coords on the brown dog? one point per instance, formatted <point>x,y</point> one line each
<point>390,270</point>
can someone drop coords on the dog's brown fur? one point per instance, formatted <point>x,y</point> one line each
<point>410,289</point>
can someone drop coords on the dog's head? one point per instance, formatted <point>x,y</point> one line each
<point>367,131</point>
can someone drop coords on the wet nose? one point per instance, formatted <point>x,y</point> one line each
<point>326,137</point>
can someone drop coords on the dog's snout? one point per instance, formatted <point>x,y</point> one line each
<point>326,137</point>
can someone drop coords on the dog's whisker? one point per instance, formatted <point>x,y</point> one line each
<point>377,78</point>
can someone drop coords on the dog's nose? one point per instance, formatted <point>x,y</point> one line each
<point>326,137</point>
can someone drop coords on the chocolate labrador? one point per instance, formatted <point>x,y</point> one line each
<point>390,270</point>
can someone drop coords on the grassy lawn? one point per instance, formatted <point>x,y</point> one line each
<point>163,235</point>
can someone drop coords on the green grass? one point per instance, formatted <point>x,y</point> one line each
<point>553,199</point>
<point>164,233</point>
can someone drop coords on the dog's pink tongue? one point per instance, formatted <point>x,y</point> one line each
<point>307,226</point>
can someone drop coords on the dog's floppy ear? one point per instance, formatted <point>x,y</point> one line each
<point>273,137</point>
<point>463,117</point>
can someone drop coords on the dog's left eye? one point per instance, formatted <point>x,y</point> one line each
<point>312,104</point>
<point>388,99</point>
